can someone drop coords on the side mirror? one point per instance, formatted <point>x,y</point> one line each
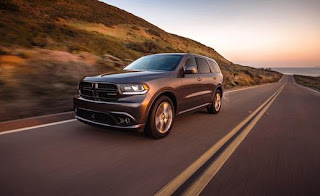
<point>191,69</point>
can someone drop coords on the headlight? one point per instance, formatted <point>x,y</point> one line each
<point>134,89</point>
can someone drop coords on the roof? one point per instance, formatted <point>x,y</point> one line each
<point>181,54</point>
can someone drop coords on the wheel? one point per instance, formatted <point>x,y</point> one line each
<point>215,107</point>
<point>160,118</point>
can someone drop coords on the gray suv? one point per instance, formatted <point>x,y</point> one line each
<point>150,92</point>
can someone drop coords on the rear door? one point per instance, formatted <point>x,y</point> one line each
<point>217,75</point>
<point>207,80</point>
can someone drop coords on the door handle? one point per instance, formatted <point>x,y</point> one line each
<point>199,79</point>
<point>214,77</point>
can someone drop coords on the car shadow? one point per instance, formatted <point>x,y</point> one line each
<point>102,130</point>
<point>98,130</point>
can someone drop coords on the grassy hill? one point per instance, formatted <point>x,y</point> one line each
<point>46,46</point>
<point>88,25</point>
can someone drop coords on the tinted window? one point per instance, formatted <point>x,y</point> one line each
<point>203,66</point>
<point>191,61</point>
<point>155,62</point>
<point>214,67</point>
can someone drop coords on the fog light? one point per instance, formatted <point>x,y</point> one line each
<point>122,119</point>
<point>127,120</point>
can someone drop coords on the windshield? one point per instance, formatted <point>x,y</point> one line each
<point>155,62</point>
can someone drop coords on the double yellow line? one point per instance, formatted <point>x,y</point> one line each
<point>226,146</point>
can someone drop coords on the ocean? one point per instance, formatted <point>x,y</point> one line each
<point>307,71</point>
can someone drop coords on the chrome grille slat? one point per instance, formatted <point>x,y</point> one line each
<point>107,86</point>
<point>102,90</point>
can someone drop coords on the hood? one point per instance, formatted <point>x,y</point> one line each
<point>126,76</point>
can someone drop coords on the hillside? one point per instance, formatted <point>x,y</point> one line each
<point>46,46</point>
<point>88,25</point>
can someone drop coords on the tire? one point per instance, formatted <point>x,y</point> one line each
<point>160,122</point>
<point>215,107</point>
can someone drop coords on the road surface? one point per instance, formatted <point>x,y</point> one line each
<point>275,151</point>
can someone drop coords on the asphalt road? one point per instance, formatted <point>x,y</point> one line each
<point>280,155</point>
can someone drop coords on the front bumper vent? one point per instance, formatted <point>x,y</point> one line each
<point>105,118</point>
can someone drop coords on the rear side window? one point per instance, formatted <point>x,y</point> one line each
<point>203,66</point>
<point>214,66</point>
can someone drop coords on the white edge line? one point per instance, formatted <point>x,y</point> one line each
<point>35,127</point>
<point>36,117</point>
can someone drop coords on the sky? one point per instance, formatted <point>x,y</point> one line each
<point>280,33</point>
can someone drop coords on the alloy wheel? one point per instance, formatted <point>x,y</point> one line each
<point>163,117</point>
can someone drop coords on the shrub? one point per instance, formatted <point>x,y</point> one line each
<point>39,41</point>
<point>144,47</point>
<point>3,52</point>
<point>135,27</point>
<point>76,48</point>
<point>2,83</point>
<point>23,54</point>
<point>249,73</point>
<point>8,5</point>
<point>153,32</point>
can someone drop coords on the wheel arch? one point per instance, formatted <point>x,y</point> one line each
<point>220,87</point>
<point>166,92</point>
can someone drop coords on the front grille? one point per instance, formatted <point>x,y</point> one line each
<point>99,91</point>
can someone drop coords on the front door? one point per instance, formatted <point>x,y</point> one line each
<point>192,90</point>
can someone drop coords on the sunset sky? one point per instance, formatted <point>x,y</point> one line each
<point>256,33</point>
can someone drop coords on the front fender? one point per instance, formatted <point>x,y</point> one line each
<point>157,95</point>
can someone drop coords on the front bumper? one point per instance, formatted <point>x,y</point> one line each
<point>129,112</point>
<point>84,120</point>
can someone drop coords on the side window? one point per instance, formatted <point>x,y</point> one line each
<point>190,61</point>
<point>214,67</point>
<point>203,66</point>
